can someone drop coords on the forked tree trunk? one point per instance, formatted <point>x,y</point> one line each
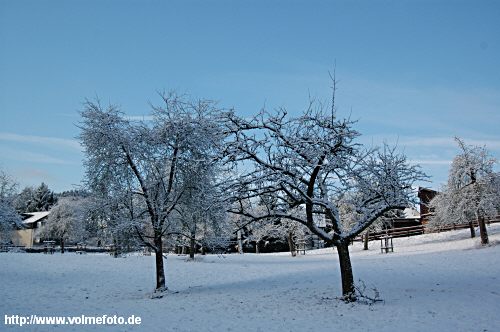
<point>483,231</point>
<point>348,290</point>
<point>365,240</point>
<point>62,245</point>
<point>160,272</point>
<point>291,244</point>
<point>472,231</point>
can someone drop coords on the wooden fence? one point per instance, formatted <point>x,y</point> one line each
<point>419,229</point>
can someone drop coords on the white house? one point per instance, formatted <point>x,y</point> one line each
<point>29,235</point>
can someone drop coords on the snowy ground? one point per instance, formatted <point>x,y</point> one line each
<point>436,282</point>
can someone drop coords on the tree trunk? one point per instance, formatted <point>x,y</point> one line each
<point>62,246</point>
<point>348,290</point>
<point>291,245</point>
<point>160,272</point>
<point>192,247</point>
<point>483,231</point>
<point>115,248</point>
<point>257,251</point>
<point>472,231</point>
<point>365,240</point>
<point>240,242</point>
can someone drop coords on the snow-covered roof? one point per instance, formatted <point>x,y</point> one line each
<point>35,216</point>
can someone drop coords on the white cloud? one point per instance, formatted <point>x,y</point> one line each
<point>432,142</point>
<point>139,117</point>
<point>42,140</point>
<point>447,142</point>
<point>34,173</point>
<point>430,161</point>
<point>440,106</point>
<point>34,157</point>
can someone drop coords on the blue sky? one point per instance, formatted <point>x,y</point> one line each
<point>415,73</point>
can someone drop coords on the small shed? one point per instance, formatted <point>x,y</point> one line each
<point>28,235</point>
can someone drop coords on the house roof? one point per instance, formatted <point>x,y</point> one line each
<point>34,216</point>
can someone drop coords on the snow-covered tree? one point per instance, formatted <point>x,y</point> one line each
<point>139,163</point>
<point>349,217</point>
<point>8,186</point>
<point>9,221</point>
<point>472,192</point>
<point>201,210</point>
<point>109,221</point>
<point>275,229</point>
<point>37,199</point>
<point>312,161</point>
<point>262,230</point>
<point>292,232</point>
<point>9,218</point>
<point>66,221</point>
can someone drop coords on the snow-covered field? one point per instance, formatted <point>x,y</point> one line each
<point>435,282</point>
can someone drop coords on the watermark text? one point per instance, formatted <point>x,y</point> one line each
<point>21,320</point>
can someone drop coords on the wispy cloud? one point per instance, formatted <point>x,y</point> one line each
<point>139,117</point>
<point>433,142</point>
<point>447,142</point>
<point>430,161</point>
<point>34,173</point>
<point>34,157</point>
<point>424,109</point>
<point>41,140</point>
